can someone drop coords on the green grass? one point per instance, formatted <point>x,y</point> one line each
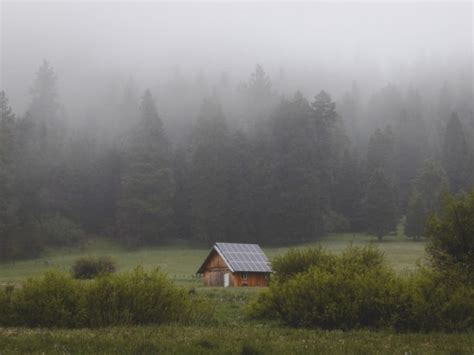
<point>173,339</point>
<point>182,261</point>
<point>230,332</point>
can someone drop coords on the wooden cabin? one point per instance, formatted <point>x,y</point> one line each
<point>233,264</point>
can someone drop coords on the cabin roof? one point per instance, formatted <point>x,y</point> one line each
<point>240,257</point>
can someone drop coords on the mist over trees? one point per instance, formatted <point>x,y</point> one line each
<point>242,155</point>
<point>293,172</point>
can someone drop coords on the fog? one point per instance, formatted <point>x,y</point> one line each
<point>303,46</point>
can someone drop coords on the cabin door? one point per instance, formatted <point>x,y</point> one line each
<point>226,279</point>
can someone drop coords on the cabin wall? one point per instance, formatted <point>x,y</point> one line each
<point>254,279</point>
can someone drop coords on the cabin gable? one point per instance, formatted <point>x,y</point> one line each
<point>213,269</point>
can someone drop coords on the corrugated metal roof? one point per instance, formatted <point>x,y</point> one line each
<point>242,257</point>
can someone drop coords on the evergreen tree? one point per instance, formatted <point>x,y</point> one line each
<point>380,153</point>
<point>129,108</point>
<point>44,107</point>
<point>416,217</point>
<point>7,201</point>
<point>259,96</point>
<point>330,142</point>
<point>294,201</point>
<point>182,201</point>
<point>209,175</point>
<point>241,188</point>
<point>411,142</point>
<point>456,154</point>
<point>145,206</point>
<point>348,191</point>
<point>381,206</point>
<point>425,197</point>
<point>350,110</point>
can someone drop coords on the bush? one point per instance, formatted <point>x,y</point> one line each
<point>328,291</point>
<point>90,267</point>
<point>357,289</point>
<point>53,300</point>
<point>137,297</point>
<point>451,236</point>
<point>431,302</point>
<point>5,303</point>
<point>296,261</point>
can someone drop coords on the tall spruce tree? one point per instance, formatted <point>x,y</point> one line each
<point>147,188</point>
<point>7,200</point>
<point>329,143</point>
<point>456,155</point>
<point>425,197</point>
<point>380,152</point>
<point>381,206</point>
<point>44,106</point>
<point>259,96</point>
<point>294,202</point>
<point>209,174</point>
<point>416,216</point>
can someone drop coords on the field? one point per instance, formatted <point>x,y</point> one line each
<point>231,333</point>
<point>228,340</point>
<point>182,261</point>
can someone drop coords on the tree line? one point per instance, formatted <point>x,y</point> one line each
<point>299,168</point>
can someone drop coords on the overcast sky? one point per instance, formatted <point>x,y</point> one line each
<point>92,40</point>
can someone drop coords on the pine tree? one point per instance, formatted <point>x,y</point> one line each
<point>348,192</point>
<point>7,201</point>
<point>329,143</point>
<point>381,206</point>
<point>147,188</point>
<point>209,175</point>
<point>259,96</point>
<point>416,217</point>
<point>425,197</point>
<point>44,106</point>
<point>380,152</point>
<point>182,201</point>
<point>294,201</point>
<point>456,155</point>
<point>410,144</point>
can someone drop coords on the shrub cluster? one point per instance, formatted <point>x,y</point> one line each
<point>58,300</point>
<point>90,267</point>
<point>314,288</point>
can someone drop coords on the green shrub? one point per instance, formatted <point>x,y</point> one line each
<point>357,289</point>
<point>136,297</point>
<point>337,299</point>
<point>53,300</point>
<point>296,261</point>
<point>5,303</point>
<point>431,302</point>
<point>451,236</point>
<point>90,267</point>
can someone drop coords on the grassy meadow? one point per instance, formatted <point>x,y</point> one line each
<point>182,261</point>
<point>246,339</point>
<point>231,332</point>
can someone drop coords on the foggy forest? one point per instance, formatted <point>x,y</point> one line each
<point>154,123</point>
